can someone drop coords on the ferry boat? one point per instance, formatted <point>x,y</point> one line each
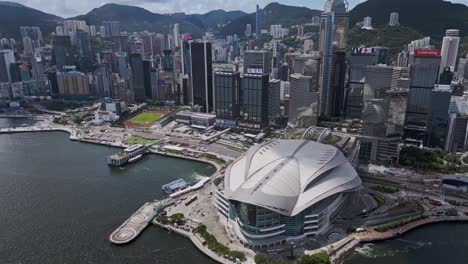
<point>175,186</point>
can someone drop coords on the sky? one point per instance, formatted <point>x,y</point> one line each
<point>69,8</point>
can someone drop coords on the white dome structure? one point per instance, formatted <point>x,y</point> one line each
<point>300,185</point>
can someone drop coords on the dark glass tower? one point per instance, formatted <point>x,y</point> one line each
<point>62,51</point>
<point>137,78</point>
<point>202,75</point>
<point>227,89</point>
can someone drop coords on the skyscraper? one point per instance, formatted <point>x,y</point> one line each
<point>137,77</point>
<point>333,40</point>
<point>227,96</point>
<point>257,62</point>
<point>248,30</point>
<point>62,51</point>
<point>112,28</point>
<point>177,35</point>
<point>202,75</point>
<point>394,17</point>
<point>7,57</point>
<point>254,101</point>
<point>449,51</point>
<point>258,22</point>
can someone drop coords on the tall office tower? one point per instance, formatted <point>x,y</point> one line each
<point>300,31</point>
<point>284,72</point>
<point>7,58</point>
<point>258,22</point>
<point>202,75</point>
<point>168,62</point>
<point>102,81</point>
<point>137,77</point>
<point>380,79</point>
<point>62,51</point>
<point>137,46</point>
<point>449,51</point>
<point>254,101</point>
<point>308,45</point>
<point>147,45</point>
<point>333,41</point>
<point>457,136</point>
<point>112,28</point>
<point>374,118</point>
<point>119,43</point>
<point>303,91</point>
<point>147,70</point>
<point>257,62</point>
<point>227,97</point>
<point>359,60</point>
<point>28,45</point>
<point>394,19</point>
<point>177,38</point>
<point>424,73</point>
<point>248,30</point>
<point>299,62</point>
<point>158,45</point>
<point>397,100</point>
<point>73,83</point>
<point>83,45</point>
<point>439,117</point>
<point>186,59</point>
<point>367,23</point>
<point>122,65</point>
<point>274,102</point>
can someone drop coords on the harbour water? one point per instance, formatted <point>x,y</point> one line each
<point>59,202</point>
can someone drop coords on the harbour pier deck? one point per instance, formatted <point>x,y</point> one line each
<point>131,228</point>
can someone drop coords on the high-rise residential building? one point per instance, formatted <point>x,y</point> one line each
<point>449,51</point>
<point>59,31</point>
<point>254,101</point>
<point>333,41</point>
<point>7,58</point>
<point>34,33</point>
<point>102,31</point>
<point>73,83</point>
<point>248,30</point>
<point>227,97</point>
<point>257,62</point>
<point>394,19</point>
<point>137,81</point>
<point>112,28</point>
<point>202,75</point>
<point>177,38</point>
<point>28,45</point>
<point>367,23</point>
<point>424,73</point>
<point>258,22</point>
<point>92,30</point>
<point>308,45</point>
<point>62,51</point>
<point>316,21</point>
<point>300,31</point>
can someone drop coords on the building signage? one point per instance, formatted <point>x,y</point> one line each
<point>427,52</point>
<point>364,50</point>
<point>442,87</point>
<point>187,37</point>
<point>255,70</point>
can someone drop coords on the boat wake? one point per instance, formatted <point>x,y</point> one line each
<point>402,246</point>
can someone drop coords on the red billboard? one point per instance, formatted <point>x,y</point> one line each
<point>427,52</point>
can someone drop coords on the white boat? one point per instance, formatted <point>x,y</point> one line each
<point>135,159</point>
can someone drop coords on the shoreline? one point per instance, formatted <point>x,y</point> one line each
<point>338,251</point>
<point>345,246</point>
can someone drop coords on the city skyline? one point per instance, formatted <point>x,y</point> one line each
<point>68,8</point>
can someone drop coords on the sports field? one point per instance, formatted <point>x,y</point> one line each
<point>145,118</point>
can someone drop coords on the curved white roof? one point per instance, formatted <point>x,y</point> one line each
<point>288,176</point>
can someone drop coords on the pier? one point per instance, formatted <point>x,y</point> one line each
<point>133,227</point>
